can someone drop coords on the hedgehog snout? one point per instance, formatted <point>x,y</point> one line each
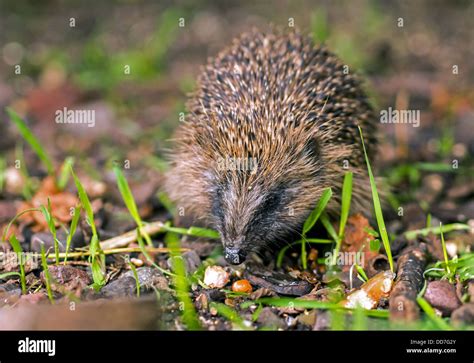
<point>234,252</point>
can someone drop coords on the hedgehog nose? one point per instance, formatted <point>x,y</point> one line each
<point>234,256</point>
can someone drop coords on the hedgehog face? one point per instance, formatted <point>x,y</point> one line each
<point>252,218</point>
<point>245,217</point>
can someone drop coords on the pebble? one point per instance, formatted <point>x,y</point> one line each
<point>463,315</point>
<point>46,239</point>
<point>270,320</point>
<point>136,261</point>
<point>66,277</point>
<point>216,277</point>
<point>442,296</point>
<point>125,285</point>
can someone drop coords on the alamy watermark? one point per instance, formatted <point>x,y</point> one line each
<point>67,116</point>
<point>391,116</point>
<point>237,164</point>
<point>11,258</point>
<point>345,258</point>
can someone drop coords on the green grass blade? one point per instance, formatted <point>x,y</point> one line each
<point>188,311</point>
<point>230,314</point>
<point>282,252</point>
<point>141,245</point>
<point>377,207</point>
<point>72,230</point>
<point>328,226</point>
<point>310,304</point>
<point>19,251</point>
<point>361,272</point>
<point>193,231</point>
<point>166,202</point>
<point>27,190</point>
<point>65,172</point>
<point>314,215</point>
<point>3,169</point>
<point>52,228</point>
<point>8,274</point>
<point>47,276</point>
<point>5,231</point>
<point>437,230</point>
<point>445,251</point>
<point>129,200</point>
<point>135,275</point>
<point>127,195</point>
<point>31,139</point>
<point>346,202</point>
<point>85,202</point>
<point>311,221</point>
<point>360,319</point>
<point>97,257</point>
<point>428,309</point>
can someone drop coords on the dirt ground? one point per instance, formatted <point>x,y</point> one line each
<point>134,64</point>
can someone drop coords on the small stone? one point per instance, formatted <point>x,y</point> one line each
<point>214,295</point>
<point>323,321</point>
<point>14,181</point>
<point>125,285</point>
<point>470,290</point>
<point>136,261</point>
<point>308,318</point>
<point>33,298</point>
<point>442,296</point>
<point>46,239</point>
<point>463,315</point>
<point>216,277</point>
<point>66,277</point>
<point>270,320</point>
<point>9,294</point>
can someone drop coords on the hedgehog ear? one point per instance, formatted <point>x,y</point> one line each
<point>311,148</point>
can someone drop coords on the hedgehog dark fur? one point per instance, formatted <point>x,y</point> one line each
<point>272,123</point>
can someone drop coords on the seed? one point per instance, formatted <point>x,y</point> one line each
<point>242,286</point>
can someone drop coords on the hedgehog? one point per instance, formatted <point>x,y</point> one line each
<point>272,123</point>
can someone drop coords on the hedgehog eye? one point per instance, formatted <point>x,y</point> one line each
<point>271,202</point>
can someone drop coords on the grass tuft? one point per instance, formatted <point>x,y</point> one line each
<point>377,207</point>
<point>135,275</point>
<point>52,227</point>
<point>188,311</point>
<point>21,263</point>
<point>47,276</point>
<point>437,230</point>
<point>65,172</point>
<point>311,221</point>
<point>72,230</point>
<point>97,257</point>
<point>127,197</point>
<point>31,139</point>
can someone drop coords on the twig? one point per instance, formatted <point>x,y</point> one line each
<point>131,236</point>
<point>409,281</point>
<point>118,250</point>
